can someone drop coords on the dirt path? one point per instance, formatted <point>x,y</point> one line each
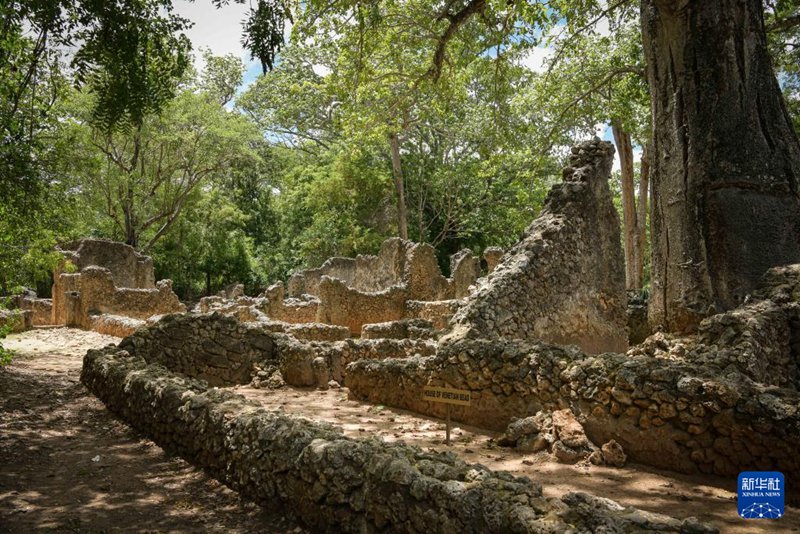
<point>68,465</point>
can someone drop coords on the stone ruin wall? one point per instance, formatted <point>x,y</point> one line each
<point>369,289</point>
<point>722,401</point>
<point>112,279</point>
<point>128,267</point>
<point>342,305</point>
<point>225,351</point>
<point>336,483</point>
<point>564,282</point>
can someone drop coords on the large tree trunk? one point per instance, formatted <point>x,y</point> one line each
<point>641,212</point>
<point>630,227</point>
<point>725,159</point>
<point>399,186</point>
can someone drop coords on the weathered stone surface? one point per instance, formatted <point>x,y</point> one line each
<point>348,307</point>
<point>492,256</point>
<point>403,329</point>
<point>17,320</point>
<point>664,411</point>
<point>331,482</point>
<point>613,454</point>
<point>116,325</point>
<point>111,278</point>
<point>438,312</point>
<point>41,309</point>
<point>128,268</point>
<point>214,348</point>
<point>465,269</point>
<point>564,282</point>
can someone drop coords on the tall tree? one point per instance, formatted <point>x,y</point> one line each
<point>140,179</point>
<point>725,158</point>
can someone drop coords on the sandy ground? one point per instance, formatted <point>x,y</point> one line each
<point>67,464</point>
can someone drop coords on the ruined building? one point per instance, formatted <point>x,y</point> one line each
<point>105,286</point>
<point>539,342</point>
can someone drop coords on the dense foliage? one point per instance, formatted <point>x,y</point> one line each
<point>375,119</point>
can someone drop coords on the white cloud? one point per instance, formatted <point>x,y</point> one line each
<point>320,70</point>
<point>536,58</point>
<point>217,29</point>
<point>602,27</point>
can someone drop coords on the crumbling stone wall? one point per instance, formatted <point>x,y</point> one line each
<point>112,278</point>
<point>116,325</point>
<point>564,282</point>
<point>492,256</point>
<point>403,329</point>
<point>348,307</point>
<point>128,268</point>
<point>214,348</point>
<point>438,312</point>
<point>303,309</point>
<point>465,269</point>
<point>422,276</point>
<point>335,483</point>
<point>41,309</point>
<point>315,364</point>
<point>364,273</point>
<point>399,263</point>
<point>17,320</point>
<point>670,414</point>
<point>92,292</point>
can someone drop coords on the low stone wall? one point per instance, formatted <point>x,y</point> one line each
<point>315,364</point>
<point>348,307</point>
<point>761,340</point>
<point>405,329</point>
<point>18,320</point>
<point>292,310</point>
<point>116,325</point>
<point>333,483</point>
<point>673,414</point>
<point>214,348</point>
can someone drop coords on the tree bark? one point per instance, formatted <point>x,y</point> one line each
<point>725,160</point>
<point>641,211</point>
<point>399,187</point>
<point>630,226</point>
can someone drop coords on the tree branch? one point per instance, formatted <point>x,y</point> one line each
<point>456,20</point>
<point>782,25</point>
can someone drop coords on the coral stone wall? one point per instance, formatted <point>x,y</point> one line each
<point>128,267</point>
<point>214,348</point>
<point>337,484</point>
<point>41,309</point>
<point>674,414</point>
<point>564,282</point>
<point>96,293</point>
<point>348,307</point>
